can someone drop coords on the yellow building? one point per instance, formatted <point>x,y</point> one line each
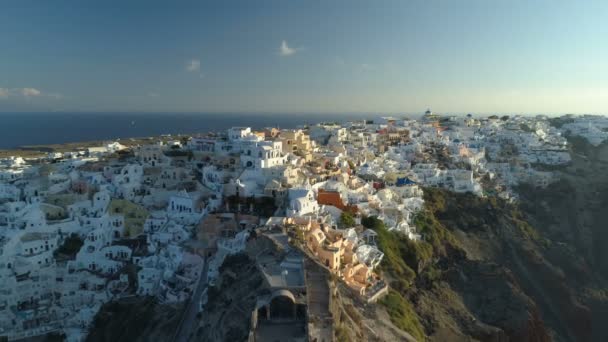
<point>297,142</point>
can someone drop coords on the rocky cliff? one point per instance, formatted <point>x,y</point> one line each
<point>493,271</point>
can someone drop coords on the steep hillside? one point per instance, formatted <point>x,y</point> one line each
<point>493,271</point>
<point>573,213</point>
<point>135,319</point>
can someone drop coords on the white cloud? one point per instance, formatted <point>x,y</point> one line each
<point>193,65</point>
<point>153,95</point>
<point>26,92</point>
<point>285,50</point>
<point>30,92</point>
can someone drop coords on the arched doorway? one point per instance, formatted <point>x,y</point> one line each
<point>282,305</point>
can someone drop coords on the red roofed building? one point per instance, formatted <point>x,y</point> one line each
<point>326,197</point>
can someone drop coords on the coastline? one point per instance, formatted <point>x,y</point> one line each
<point>37,151</point>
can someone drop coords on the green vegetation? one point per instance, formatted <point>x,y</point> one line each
<point>546,167</point>
<point>71,245</point>
<point>135,319</point>
<point>353,314</point>
<point>403,315</point>
<point>432,274</point>
<point>298,235</point>
<point>527,230</point>
<point>414,267</point>
<point>351,165</point>
<point>346,220</point>
<point>63,200</point>
<point>403,258</point>
<point>526,128</point>
<point>434,234</point>
<point>410,266</point>
<point>582,146</point>
<point>559,121</point>
<point>179,153</point>
<point>400,256</point>
<point>135,215</point>
<point>234,261</point>
<point>424,276</point>
<point>342,333</point>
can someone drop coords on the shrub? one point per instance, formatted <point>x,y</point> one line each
<point>346,220</point>
<point>70,247</point>
<point>342,334</point>
<point>395,249</point>
<point>234,261</point>
<point>402,314</point>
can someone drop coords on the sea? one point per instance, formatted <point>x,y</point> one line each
<point>23,129</point>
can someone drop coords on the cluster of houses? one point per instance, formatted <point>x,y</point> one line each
<point>80,229</point>
<point>350,253</point>
<point>593,128</point>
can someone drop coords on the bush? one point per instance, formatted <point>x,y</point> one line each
<point>396,249</point>
<point>70,247</point>
<point>178,153</point>
<point>234,261</point>
<point>403,315</point>
<point>353,314</point>
<point>342,334</point>
<point>346,220</point>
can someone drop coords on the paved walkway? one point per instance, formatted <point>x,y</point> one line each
<point>188,324</point>
<point>317,292</point>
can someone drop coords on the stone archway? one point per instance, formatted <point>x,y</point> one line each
<point>282,306</point>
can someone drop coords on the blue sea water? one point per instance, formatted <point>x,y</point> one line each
<point>19,129</point>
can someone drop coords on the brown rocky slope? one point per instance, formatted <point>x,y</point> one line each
<point>493,271</point>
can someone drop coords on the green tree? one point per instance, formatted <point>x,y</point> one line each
<point>346,220</point>
<point>351,165</point>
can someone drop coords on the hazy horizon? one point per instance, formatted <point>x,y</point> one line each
<point>345,113</point>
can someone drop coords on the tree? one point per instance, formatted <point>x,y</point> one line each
<point>351,165</point>
<point>346,220</point>
<point>372,222</point>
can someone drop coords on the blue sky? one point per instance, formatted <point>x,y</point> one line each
<point>486,56</point>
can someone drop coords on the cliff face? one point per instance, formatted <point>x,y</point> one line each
<point>572,214</point>
<point>492,271</point>
<point>492,276</point>
<point>473,277</point>
<point>135,319</point>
